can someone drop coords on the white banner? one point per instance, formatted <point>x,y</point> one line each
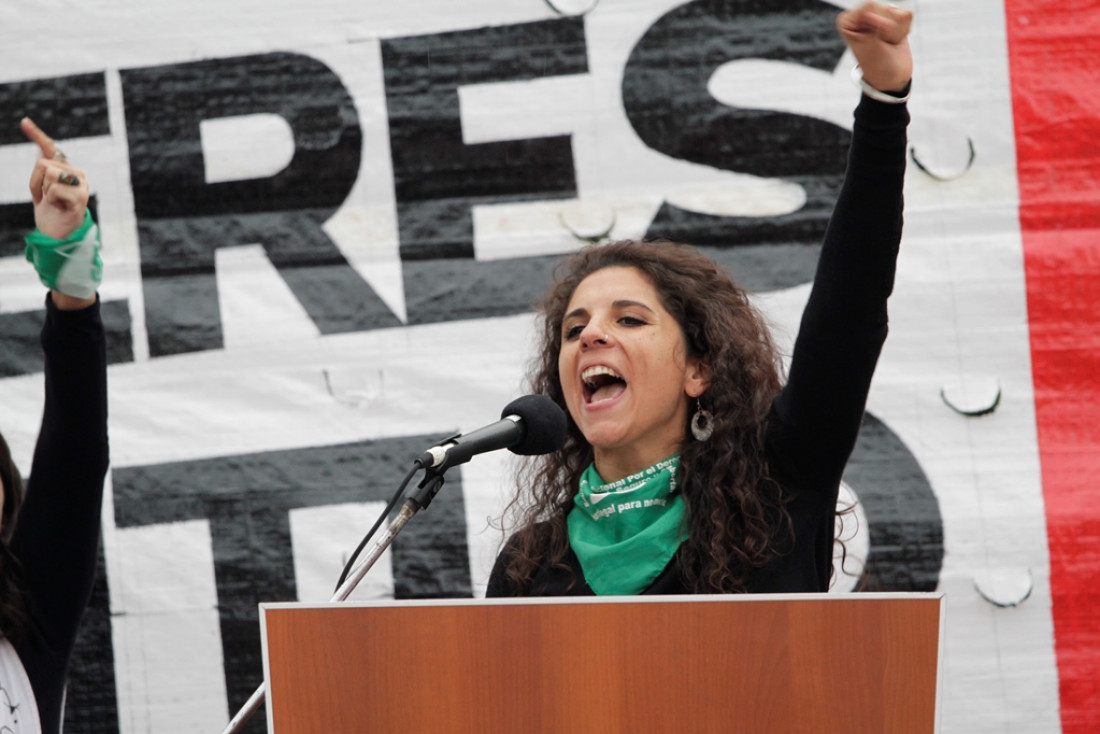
<point>325,225</point>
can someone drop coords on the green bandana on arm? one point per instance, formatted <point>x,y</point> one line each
<point>625,533</point>
<point>72,265</point>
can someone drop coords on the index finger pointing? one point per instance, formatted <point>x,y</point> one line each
<point>37,136</point>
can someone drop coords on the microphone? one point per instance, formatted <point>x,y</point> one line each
<point>530,425</point>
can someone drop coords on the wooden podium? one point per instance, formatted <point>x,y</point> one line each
<point>770,664</point>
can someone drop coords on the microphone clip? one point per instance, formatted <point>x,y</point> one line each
<point>436,456</point>
<point>427,489</point>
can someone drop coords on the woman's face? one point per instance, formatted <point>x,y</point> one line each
<point>624,371</point>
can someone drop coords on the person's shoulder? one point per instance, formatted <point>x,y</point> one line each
<point>531,541</point>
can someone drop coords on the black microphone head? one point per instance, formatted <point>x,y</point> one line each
<point>543,423</point>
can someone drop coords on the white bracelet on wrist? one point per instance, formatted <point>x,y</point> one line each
<point>857,79</point>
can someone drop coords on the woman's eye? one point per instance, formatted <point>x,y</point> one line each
<point>574,331</point>
<point>631,321</point>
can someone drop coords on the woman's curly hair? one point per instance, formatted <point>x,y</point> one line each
<point>732,505</point>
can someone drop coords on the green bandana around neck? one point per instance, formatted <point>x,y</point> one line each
<point>624,533</point>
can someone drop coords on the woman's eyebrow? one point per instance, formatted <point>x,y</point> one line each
<point>575,313</point>
<point>626,303</point>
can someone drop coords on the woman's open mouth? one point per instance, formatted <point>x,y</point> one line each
<point>601,383</point>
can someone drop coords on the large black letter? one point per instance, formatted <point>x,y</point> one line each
<point>666,98</point>
<point>438,178</point>
<point>182,220</point>
<point>246,500</point>
<point>903,515</point>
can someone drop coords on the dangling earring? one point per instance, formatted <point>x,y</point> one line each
<point>702,423</point>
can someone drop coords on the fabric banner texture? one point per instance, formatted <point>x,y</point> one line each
<point>325,227</point>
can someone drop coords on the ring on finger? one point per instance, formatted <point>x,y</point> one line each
<point>59,155</point>
<point>69,179</point>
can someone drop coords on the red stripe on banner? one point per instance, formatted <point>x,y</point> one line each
<point>1054,56</point>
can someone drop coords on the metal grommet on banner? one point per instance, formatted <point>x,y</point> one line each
<point>925,169</point>
<point>591,238</point>
<point>568,13</point>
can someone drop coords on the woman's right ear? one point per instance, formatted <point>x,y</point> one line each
<point>697,377</point>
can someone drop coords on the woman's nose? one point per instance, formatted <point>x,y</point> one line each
<point>594,336</point>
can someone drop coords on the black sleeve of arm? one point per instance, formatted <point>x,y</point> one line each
<point>57,532</point>
<point>817,416</point>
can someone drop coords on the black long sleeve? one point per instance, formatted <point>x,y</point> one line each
<point>57,533</point>
<point>815,420</point>
<point>817,416</point>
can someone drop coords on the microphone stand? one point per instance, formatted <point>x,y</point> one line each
<point>417,500</point>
